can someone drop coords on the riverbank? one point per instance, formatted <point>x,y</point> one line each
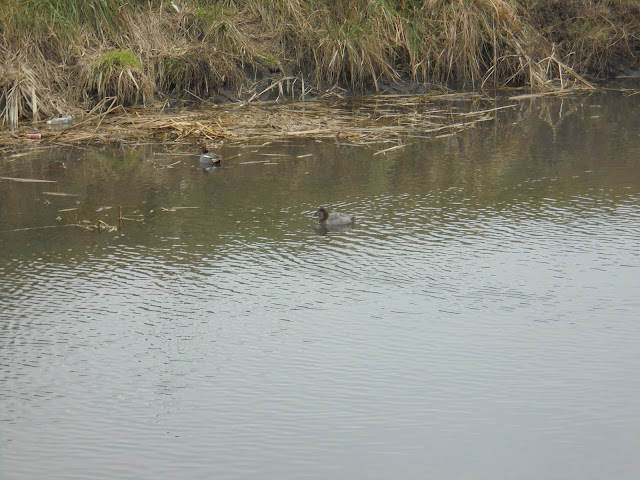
<point>70,58</point>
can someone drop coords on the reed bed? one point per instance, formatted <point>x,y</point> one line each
<point>62,57</point>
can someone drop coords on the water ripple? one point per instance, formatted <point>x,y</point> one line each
<point>498,310</point>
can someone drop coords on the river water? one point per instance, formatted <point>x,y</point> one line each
<point>480,320</point>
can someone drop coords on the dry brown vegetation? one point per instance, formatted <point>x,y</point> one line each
<point>61,57</point>
<point>374,120</point>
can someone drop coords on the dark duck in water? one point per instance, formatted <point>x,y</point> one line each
<point>208,159</point>
<point>334,218</point>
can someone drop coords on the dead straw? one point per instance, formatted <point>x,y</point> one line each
<point>372,119</point>
<point>27,180</point>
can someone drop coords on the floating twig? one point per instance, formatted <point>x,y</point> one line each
<point>60,194</point>
<point>390,149</point>
<point>27,180</point>
<point>175,209</point>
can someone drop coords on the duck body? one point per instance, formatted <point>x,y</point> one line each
<point>209,159</point>
<point>334,218</point>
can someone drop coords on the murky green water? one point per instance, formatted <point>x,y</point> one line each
<point>479,321</point>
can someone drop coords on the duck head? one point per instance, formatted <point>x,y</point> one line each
<point>322,213</point>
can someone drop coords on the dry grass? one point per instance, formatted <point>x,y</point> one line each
<point>356,47</point>
<point>117,74</point>
<point>24,94</point>
<point>373,120</point>
<point>598,37</point>
<point>54,51</point>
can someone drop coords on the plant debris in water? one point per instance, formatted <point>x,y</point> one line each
<point>368,120</point>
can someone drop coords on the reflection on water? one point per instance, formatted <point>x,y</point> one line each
<point>478,321</point>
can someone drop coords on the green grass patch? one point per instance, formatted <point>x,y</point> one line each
<point>117,59</point>
<point>65,18</point>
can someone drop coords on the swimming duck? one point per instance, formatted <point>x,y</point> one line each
<point>334,218</point>
<point>209,159</point>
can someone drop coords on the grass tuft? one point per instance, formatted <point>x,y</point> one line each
<point>117,60</point>
<point>24,94</point>
<point>117,74</point>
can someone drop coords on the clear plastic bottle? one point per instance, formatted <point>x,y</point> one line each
<point>60,120</point>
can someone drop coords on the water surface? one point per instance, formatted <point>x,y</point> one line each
<point>479,321</point>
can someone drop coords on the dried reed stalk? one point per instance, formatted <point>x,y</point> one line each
<point>373,119</point>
